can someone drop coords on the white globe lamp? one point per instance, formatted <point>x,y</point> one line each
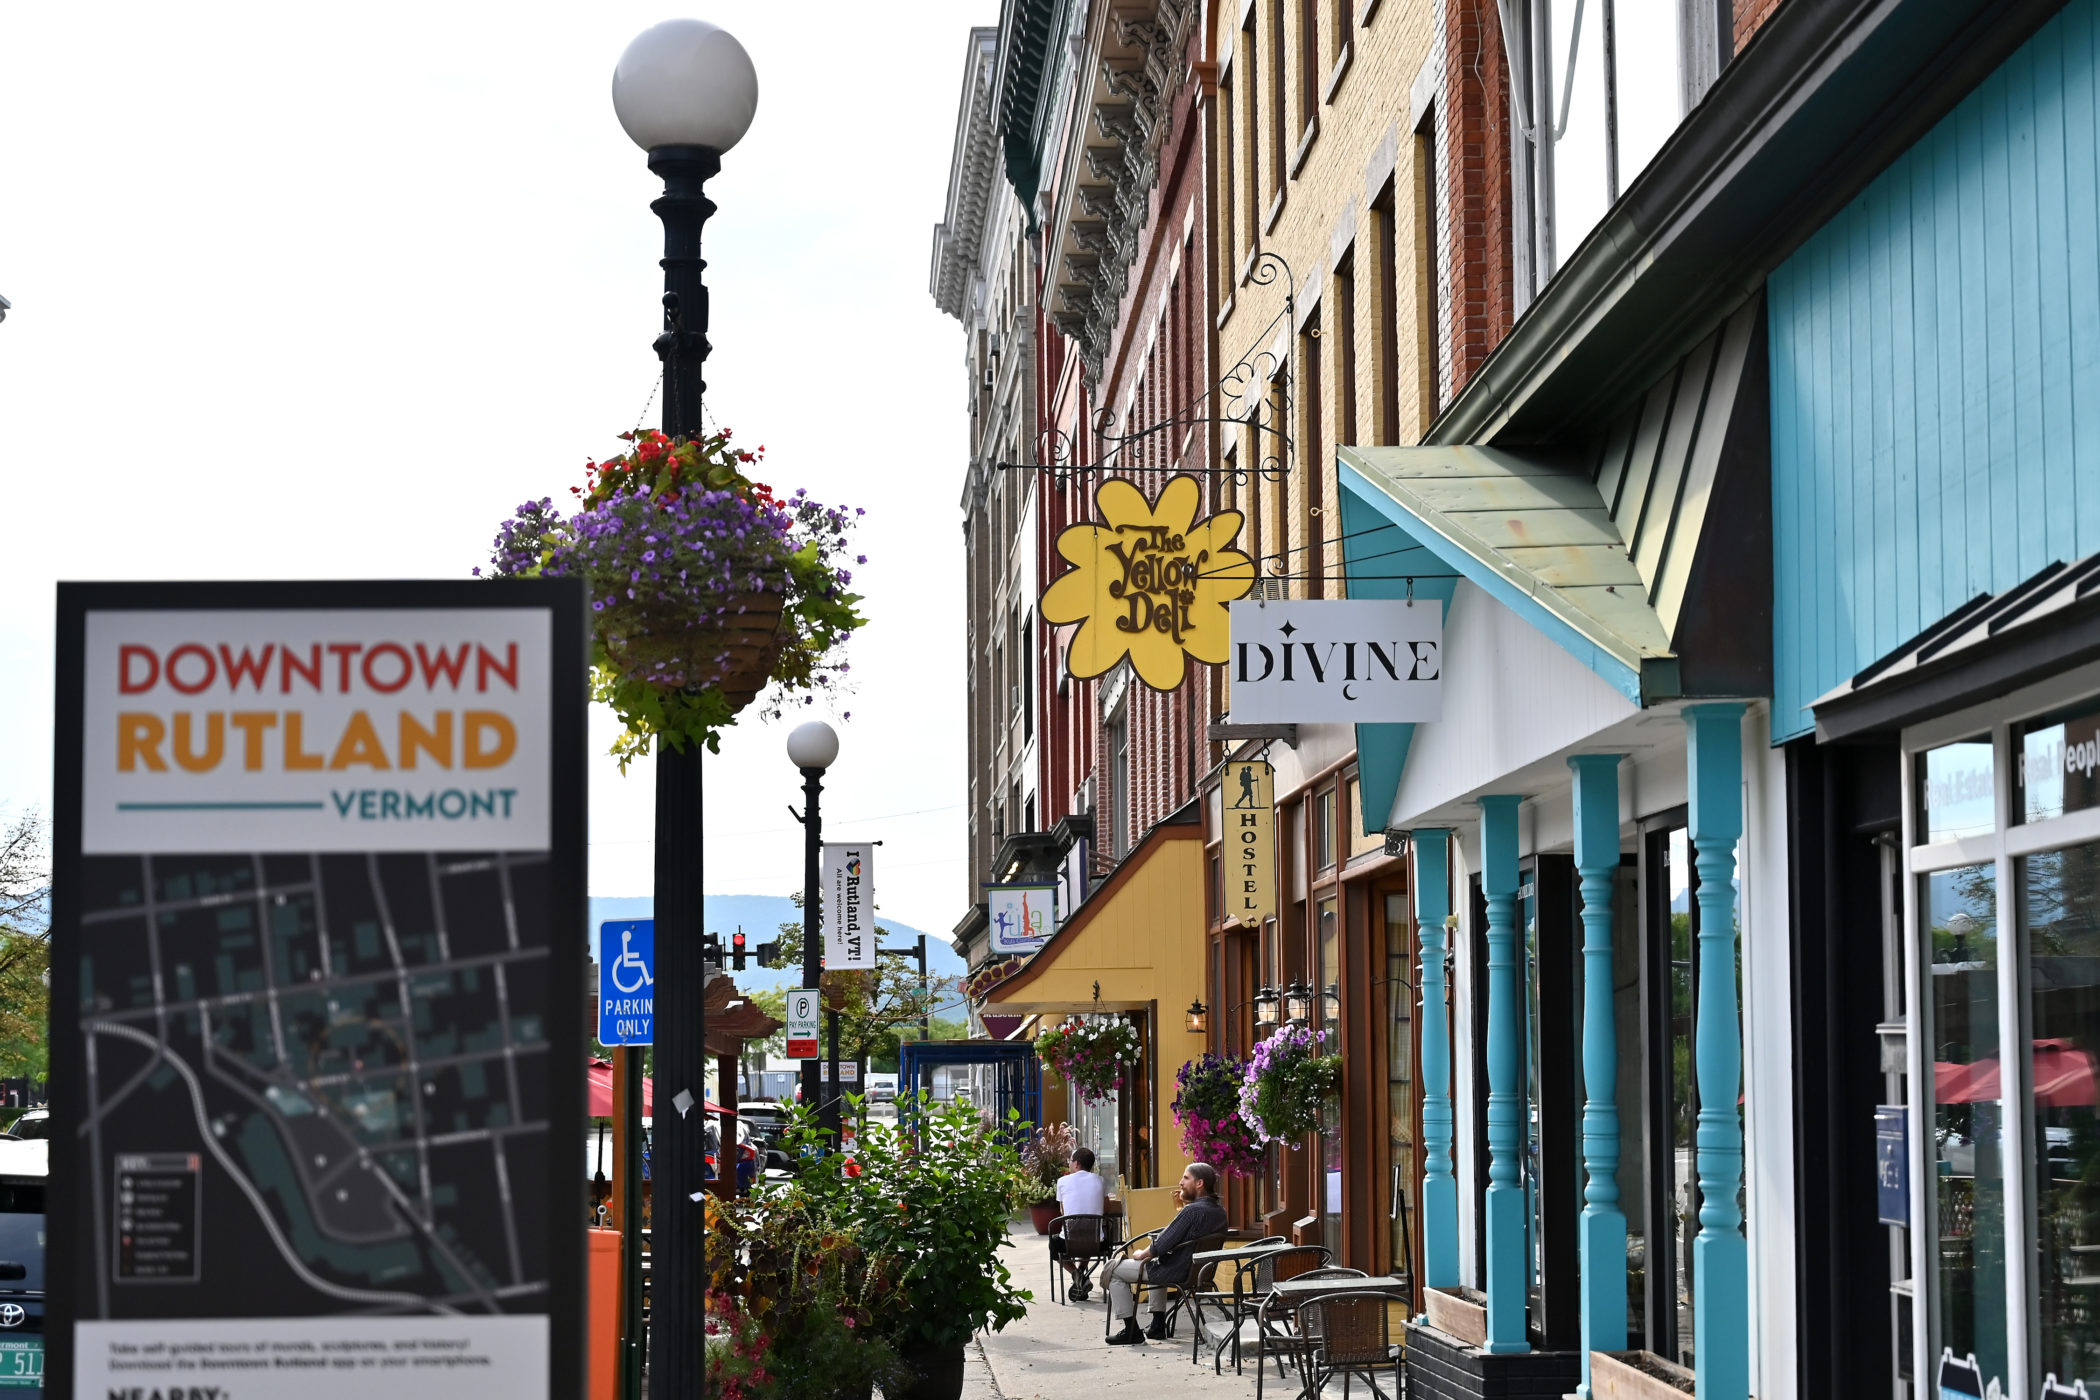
<point>685,82</point>
<point>813,745</point>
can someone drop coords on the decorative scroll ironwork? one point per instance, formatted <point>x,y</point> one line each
<point>1257,393</point>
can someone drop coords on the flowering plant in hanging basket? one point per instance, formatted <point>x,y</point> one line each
<point>1287,1085</point>
<point>1090,1055</point>
<point>1208,1110</point>
<point>704,585</point>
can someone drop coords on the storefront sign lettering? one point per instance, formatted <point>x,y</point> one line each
<point>1149,581</point>
<point>1335,661</point>
<point>1249,818</point>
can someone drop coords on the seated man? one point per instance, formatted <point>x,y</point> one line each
<point>1167,1259</point>
<point>1079,1192</point>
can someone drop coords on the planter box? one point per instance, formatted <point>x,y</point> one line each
<point>1442,1367</point>
<point>1636,1375</point>
<point>1458,1312</point>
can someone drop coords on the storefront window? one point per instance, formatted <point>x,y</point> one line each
<point>1680,1090</point>
<point>2059,763</point>
<point>1955,791</point>
<point>1328,974</point>
<point>2060,938</point>
<point>1323,831</point>
<point>1968,1122</point>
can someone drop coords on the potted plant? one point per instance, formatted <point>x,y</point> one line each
<point>927,1212</point>
<point>1207,1106</point>
<point>1091,1054</point>
<point>1288,1082</point>
<point>704,585</point>
<point>1047,1158</point>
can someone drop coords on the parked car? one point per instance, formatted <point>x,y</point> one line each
<point>23,1169</point>
<point>36,1123</point>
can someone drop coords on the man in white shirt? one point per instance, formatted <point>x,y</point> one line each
<point>1080,1192</point>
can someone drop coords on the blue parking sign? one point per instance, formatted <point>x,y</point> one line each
<point>627,982</point>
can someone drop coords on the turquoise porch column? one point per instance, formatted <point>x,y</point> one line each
<point>1603,1232</point>
<point>1506,1243</point>
<point>1439,1186</point>
<point>1720,1258</point>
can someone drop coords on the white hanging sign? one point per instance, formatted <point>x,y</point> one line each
<point>1366,661</point>
<point>846,876</point>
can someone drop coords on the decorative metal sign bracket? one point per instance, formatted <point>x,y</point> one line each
<point>1256,393</point>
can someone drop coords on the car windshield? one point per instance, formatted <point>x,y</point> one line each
<point>32,1127</point>
<point>22,1233</point>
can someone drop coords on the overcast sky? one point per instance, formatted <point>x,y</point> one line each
<point>324,292</point>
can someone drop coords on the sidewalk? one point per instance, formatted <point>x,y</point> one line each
<point>1056,1352</point>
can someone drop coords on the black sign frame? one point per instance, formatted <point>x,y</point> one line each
<point>565,601</point>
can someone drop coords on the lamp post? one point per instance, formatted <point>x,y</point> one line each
<point>813,747</point>
<point>685,92</point>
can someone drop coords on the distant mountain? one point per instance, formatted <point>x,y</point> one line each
<point>761,916</point>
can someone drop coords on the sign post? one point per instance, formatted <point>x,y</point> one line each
<point>318,861</point>
<point>627,1019</point>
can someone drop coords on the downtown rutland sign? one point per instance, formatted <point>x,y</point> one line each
<point>1337,661</point>
<point>318,864</point>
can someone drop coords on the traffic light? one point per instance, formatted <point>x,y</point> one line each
<point>768,954</point>
<point>737,948</point>
<point>711,949</point>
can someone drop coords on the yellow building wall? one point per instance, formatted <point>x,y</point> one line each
<point>1142,938</point>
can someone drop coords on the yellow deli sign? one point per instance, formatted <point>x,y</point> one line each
<point>1249,793</point>
<point>315,730</point>
<point>1149,581</point>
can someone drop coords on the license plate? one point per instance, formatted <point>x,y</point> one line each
<point>21,1363</point>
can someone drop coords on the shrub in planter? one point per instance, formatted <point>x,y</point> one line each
<point>1207,1107</point>
<point>1091,1055</point>
<point>704,585</point>
<point>1288,1082</point>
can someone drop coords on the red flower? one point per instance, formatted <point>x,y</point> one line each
<point>852,1168</point>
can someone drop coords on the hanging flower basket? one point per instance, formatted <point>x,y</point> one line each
<point>1208,1110</point>
<point>1091,1056</point>
<point>1287,1085</point>
<point>705,587</point>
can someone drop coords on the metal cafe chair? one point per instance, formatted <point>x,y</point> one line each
<point>1251,1285</point>
<point>1199,1278</point>
<point>1275,1327</point>
<point>1141,1290</point>
<point>1108,1322</point>
<point>1087,1240</point>
<point>1347,1335</point>
<point>1219,1298</point>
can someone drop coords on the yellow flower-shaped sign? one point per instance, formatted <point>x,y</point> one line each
<point>1149,581</point>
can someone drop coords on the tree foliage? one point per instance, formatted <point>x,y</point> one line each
<point>25,947</point>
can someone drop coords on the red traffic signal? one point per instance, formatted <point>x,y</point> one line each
<point>736,950</point>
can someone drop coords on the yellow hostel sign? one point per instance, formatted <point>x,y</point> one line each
<point>1149,581</point>
<point>1250,842</point>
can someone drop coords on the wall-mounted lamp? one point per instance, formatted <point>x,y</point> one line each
<point>1297,1004</point>
<point>1199,1018</point>
<point>1266,1004</point>
<point>1331,1004</point>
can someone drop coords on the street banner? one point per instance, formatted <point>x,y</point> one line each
<point>802,1006</point>
<point>1023,917</point>
<point>318,857</point>
<point>1341,661</point>
<point>627,982</point>
<point>1249,792</point>
<point>846,878</point>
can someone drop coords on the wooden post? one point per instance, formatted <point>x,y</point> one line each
<point>1507,1265</point>
<point>1603,1227</point>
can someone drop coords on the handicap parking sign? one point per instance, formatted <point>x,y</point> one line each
<point>627,982</point>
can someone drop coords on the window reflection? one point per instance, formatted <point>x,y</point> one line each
<point>1955,791</point>
<point>1961,909</point>
<point>2059,763</point>
<point>2060,934</point>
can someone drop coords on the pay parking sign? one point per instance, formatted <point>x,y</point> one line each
<point>627,982</point>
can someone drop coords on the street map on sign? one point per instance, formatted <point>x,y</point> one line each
<point>313,1083</point>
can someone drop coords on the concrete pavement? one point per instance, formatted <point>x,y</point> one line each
<point>1056,1352</point>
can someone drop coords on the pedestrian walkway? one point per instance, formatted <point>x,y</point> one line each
<point>1057,1352</point>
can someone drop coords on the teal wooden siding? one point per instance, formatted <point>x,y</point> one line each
<point>1936,374</point>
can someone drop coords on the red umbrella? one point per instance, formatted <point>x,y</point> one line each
<point>2063,1078</point>
<point>601,1091</point>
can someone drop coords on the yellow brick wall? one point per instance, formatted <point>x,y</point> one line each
<point>1361,102</point>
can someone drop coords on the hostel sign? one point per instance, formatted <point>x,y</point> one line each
<point>1148,581</point>
<point>1249,793</point>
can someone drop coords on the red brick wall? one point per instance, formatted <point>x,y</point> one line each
<point>1750,16</point>
<point>1481,271</point>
